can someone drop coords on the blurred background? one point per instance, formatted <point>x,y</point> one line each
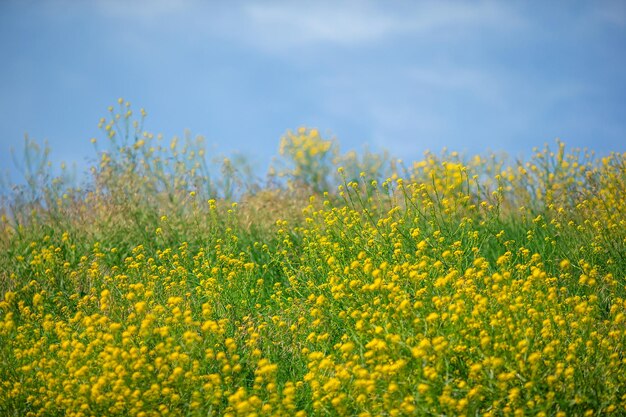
<point>406,76</point>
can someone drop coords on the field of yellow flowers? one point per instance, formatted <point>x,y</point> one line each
<point>345,284</point>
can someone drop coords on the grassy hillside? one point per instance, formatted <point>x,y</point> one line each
<point>341,284</point>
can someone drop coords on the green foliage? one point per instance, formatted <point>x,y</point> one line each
<point>171,283</point>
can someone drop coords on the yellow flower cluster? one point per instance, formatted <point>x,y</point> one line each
<point>308,156</point>
<point>461,289</point>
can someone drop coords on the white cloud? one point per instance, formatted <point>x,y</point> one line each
<point>277,25</point>
<point>281,26</point>
<point>295,23</point>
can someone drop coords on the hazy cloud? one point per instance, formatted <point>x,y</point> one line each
<point>278,25</point>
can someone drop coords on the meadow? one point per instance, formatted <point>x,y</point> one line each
<point>352,284</point>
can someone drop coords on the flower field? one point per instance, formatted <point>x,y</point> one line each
<point>343,284</point>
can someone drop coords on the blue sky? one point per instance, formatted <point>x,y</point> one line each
<point>406,76</point>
